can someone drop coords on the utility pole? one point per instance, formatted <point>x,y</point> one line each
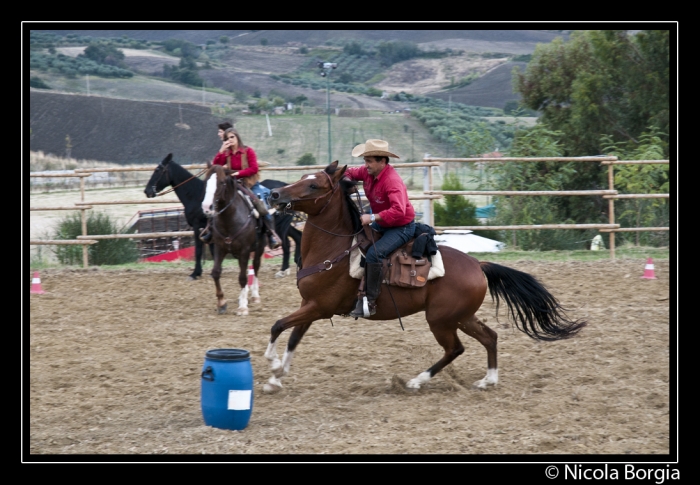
<point>326,68</point>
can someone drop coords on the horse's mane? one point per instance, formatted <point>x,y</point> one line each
<point>349,187</point>
<point>192,190</point>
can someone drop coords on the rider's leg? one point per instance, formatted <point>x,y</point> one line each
<point>392,239</point>
<point>273,239</point>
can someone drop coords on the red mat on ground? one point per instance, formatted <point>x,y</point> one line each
<point>184,253</point>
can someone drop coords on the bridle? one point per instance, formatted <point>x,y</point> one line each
<point>162,170</point>
<point>330,193</point>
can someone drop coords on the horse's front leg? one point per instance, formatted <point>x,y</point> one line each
<point>221,304</point>
<point>253,285</point>
<point>301,320</point>
<point>243,283</point>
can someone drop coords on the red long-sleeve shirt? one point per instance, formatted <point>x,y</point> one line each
<point>236,161</point>
<point>387,195</point>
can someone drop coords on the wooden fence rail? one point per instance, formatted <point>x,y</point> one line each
<point>429,195</point>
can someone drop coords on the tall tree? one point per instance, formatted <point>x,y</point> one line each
<point>599,83</point>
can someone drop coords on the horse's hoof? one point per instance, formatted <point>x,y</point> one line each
<point>282,274</point>
<point>272,385</point>
<point>242,312</point>
<point>222,309</point>
<point>255,299</point>
<point>413,385</point>
<point>482,385</point>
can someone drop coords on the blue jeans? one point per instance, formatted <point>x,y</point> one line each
<point>393,238</point>
<point>263,193</point>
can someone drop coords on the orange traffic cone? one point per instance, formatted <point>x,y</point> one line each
<point>36,284</point>
<point>649,270</point>
<point>251,275</point>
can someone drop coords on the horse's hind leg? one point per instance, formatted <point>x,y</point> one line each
<point>198,251</point>
<point>446,335</point>
<point>489,339</point>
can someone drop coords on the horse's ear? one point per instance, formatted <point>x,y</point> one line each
<point>208,164</point>
<point>167,159</point>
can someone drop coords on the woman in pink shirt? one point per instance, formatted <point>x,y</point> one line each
<point>392,213</point>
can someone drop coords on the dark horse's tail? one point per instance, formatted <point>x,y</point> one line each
<point>539,314</point>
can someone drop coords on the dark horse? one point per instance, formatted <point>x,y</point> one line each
<point>450,302</point>
<point>190,190</point>
<point>234,229</point>
<point>285,230</point>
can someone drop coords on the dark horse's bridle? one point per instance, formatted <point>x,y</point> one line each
<point>162,170</point>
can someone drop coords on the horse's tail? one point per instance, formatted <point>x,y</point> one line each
<point>533,308</point>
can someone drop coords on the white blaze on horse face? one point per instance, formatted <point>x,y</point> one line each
<point>303,179</point>
<point>208,201</point>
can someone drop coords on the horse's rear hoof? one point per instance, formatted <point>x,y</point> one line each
<point>282,274</point>
<point>255,299</point>
<point>242,312</point>
<point>222,309</point>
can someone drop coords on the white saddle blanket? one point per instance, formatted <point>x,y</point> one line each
<point>437,269</point>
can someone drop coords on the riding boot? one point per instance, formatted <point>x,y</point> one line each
<point>373,285</point>
<point>205,234</point>
<point>273,240</point>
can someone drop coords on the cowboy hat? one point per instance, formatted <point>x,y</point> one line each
<point>373,148</point>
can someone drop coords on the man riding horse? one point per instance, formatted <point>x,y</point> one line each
<point>392,214</point>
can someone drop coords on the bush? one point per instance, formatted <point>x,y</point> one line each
<point>105,252</point>
<point>307,159</point>
<point>37,82</point>
<point>458,210</point>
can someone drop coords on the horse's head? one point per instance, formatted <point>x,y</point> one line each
<point>312,192</point>
<point>160,178</point>
<point>218,188</point>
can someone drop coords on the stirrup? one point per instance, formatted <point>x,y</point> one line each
<point>205,236</point>
<point>363,309</point>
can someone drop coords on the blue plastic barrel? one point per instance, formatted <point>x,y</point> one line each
<point>227,388</point>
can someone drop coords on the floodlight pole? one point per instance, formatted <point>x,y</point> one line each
<point>328,109</point>
<point>326,68</point>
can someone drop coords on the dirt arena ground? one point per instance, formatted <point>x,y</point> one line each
<point>115,359</point>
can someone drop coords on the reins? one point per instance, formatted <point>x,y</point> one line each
<point>334,187</point>
<point>176,186</point>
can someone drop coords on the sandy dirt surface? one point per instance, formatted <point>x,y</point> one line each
<point>115,362</point>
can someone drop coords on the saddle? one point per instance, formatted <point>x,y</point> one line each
<point>403,267</point>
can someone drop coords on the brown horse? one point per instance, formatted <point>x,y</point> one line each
<point>234,230</point>
<point>450,302</point>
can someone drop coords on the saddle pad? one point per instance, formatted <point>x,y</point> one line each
<point>356,271</point>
